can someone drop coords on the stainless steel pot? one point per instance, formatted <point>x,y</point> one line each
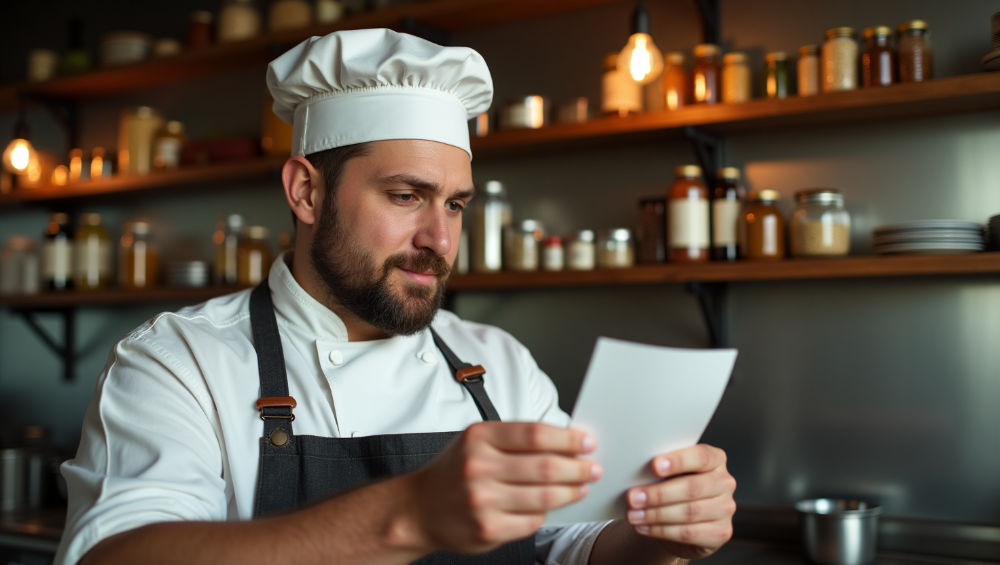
<point>839,531</point>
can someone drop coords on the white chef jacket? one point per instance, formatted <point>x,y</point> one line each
<point>172,431</point>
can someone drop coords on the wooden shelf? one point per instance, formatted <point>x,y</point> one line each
<point>438,15</point>
<point>968,93</point>
<point>119,184</point>
<point>113,297</point>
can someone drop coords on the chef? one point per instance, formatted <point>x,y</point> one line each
<point>334,414</point>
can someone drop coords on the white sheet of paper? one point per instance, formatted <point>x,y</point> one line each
<point>640,401</point>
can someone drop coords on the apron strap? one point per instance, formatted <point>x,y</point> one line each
<point>274,404</point>
<point>471,377</point>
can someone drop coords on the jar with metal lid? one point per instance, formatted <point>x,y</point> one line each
<point>226,242</point>
<point>168,145</point>
<point>582,251</point>
<point>92,258</point>
<point>238,20</point>
<point>614,249</point>
<point>705,74</point>
<point>878,66</point>
<point>728,195</point>
<point>762,227</point>
<point>620,95</point>
<point>807,70</point>
<point>253,256</point>
<point>674,81</point>
<point>651,235</point>
<point>777,85</point>
<point>57,253</point>
<point>688,217</point>
<point>490,215</point>
<point>916,61</point>
<point>840,60</point>
<point>136,132</point>
<point>138,257</point>
<point>735,78</point>
<point>522,243</point>
<point>820,225</point>
<point>19,272</point>
<point>553,255</point>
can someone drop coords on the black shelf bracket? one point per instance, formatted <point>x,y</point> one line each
<point>64,351</point>
<point>708,150</point>
<point>712,301</point>
<point>709,11</point>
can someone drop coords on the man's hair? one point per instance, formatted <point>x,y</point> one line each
<point>330,163</point>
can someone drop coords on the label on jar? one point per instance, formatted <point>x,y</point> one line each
<point>725,216</point>
<point>582,255</point>
<point>56,260</point>
<point>687,223</point>
<point>92,261</point>
<point>552,258</point>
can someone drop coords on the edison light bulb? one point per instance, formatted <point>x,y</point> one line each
<point>641,58</point>
<point>19,156</point>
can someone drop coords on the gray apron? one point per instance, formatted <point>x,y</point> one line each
<point>295,470</point>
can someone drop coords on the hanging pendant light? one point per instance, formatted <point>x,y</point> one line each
<point>640,57</point>
<point>20,155</point>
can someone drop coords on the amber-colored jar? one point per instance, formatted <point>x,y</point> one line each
<point>253,258</point>
<point>735,78</point>
<point>728,195</point>
<point>687,216</point>
<point>138,257</point>
<point>705,74</point>
<point>916,63</point>
<point>878,66</point>
<point>675,81</point>
<point>762,227</point>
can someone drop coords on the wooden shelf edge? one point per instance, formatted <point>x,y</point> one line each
<point>113,297</point>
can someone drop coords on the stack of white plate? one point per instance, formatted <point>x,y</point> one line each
<point>188,273</point>
<point>929,237</point>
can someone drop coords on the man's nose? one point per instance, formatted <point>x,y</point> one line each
<point>434,232</point>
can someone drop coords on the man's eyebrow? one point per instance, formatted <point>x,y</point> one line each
<point>424,185</point>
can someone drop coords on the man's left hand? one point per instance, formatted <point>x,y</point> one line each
<point>691,510</point>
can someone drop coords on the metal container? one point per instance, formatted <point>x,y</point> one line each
<point>838,531</point>
<point>13,479</point>
<point>525,112</point>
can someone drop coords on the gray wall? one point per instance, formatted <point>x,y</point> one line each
<point>886,387</point>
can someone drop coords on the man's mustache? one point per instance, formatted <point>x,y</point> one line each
<point>425,262</point>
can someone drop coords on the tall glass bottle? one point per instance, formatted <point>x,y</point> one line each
<point>92,259</point>
<point>57,253</point>
<point>706,74</point>
<point>491,215</point>
<point>728,195</point>
<point>687,216</point>
<point>226,241</point>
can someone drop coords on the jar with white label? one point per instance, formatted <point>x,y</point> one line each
<point>582,251</point>
<point>553,256</point>
<point>522,245</point>
<point>92,257</point>
<point>688,217</point>
<point>57,253</point>
<point>138,257</point>
<point>614,249</point>
<point>840,60</point>
<point>490,215</point>
<point>820,225</point>
<point>807,70</point>
<point>168,145</point>
<point>253,256</point>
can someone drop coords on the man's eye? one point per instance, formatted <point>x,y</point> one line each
<point>404,197</point>
<point>456,206</point>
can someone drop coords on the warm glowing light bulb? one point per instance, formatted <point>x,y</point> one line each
<point>18,156</point>
<point>641,58</point>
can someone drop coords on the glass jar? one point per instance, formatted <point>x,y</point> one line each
<point>79,168</point>
<point>19,272</point>
<point>329,11</point>
<point>651,235</point>
<point>807,70</point>
<point>840,60</point>
<point>728,195</point>
<point>101,165</point>
<point>878,67</point>
<point>582,251</point>
<point>777,75</point>
<point>820,225</point>
<point>614,249</point>
<point>136,133</point>
<point>553,256</point>
<point>675,81</point>
<point>705,74</point>
<point>289,14</point>
<point>200,33</point>
<point>762,227</point>
<point>226,242</point>
<point>238,20</point>
<point>253,255</point>
<point>522,243</point>
<point>168,145</point>
<point>57,253</point>
<point>620,95</point>
<point>138,257</point>
<point>92,257</point>
<point>735,78</point>
<point>916,61</point>
<point>490,215</point>
<point>687,216</point>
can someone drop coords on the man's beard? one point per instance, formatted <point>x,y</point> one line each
<point>351,278</point>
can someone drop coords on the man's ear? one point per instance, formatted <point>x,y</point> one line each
<point>302,184</point>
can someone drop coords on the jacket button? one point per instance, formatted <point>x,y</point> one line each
<point>337,358</point>
<point>279,437</point>
<point>428,357</point>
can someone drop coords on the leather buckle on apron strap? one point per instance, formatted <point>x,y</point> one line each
<point>276,403</point>
<point>473,374</point>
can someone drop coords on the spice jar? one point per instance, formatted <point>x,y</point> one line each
<point>253,255</point>
<point>329,11</point>
<point>200,33</point>
<point>289,14</point>
<point>877,61</point>
<point>651,235</point>
<point>553,257</point>
<point>92,257</point>
<point>820,225</point>
<point>490,215</point>
<point>582,251</point>
<point>238,20</point>
<point>735,78</point>
<point>728,195</point>
<point>57,253</point>
<point>705,74</point>
<point>136,132</point>
<point>226,242</point>
<point>916,62</point>
<point>839,60</point>
<point>674,81</point>
<point>614,249</point>
<point>19,266</point>
<point>762,227</point>
<point>777,74</point>
<point>620,95</point>
<point>522,243</point>
<point>138,257</point>
<point>807,70</point>
<point>168,145</point>
<point>687,216</point>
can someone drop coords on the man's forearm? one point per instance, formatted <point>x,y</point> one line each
<point>373,524</point>
<point>619,543</point>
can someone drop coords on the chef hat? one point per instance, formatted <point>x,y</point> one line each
<point>371,84</point>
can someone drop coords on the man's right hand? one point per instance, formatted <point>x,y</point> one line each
<point>495,482</point>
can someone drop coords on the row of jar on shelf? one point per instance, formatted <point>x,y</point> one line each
<point>83,258</point>
<point>691,223</point>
